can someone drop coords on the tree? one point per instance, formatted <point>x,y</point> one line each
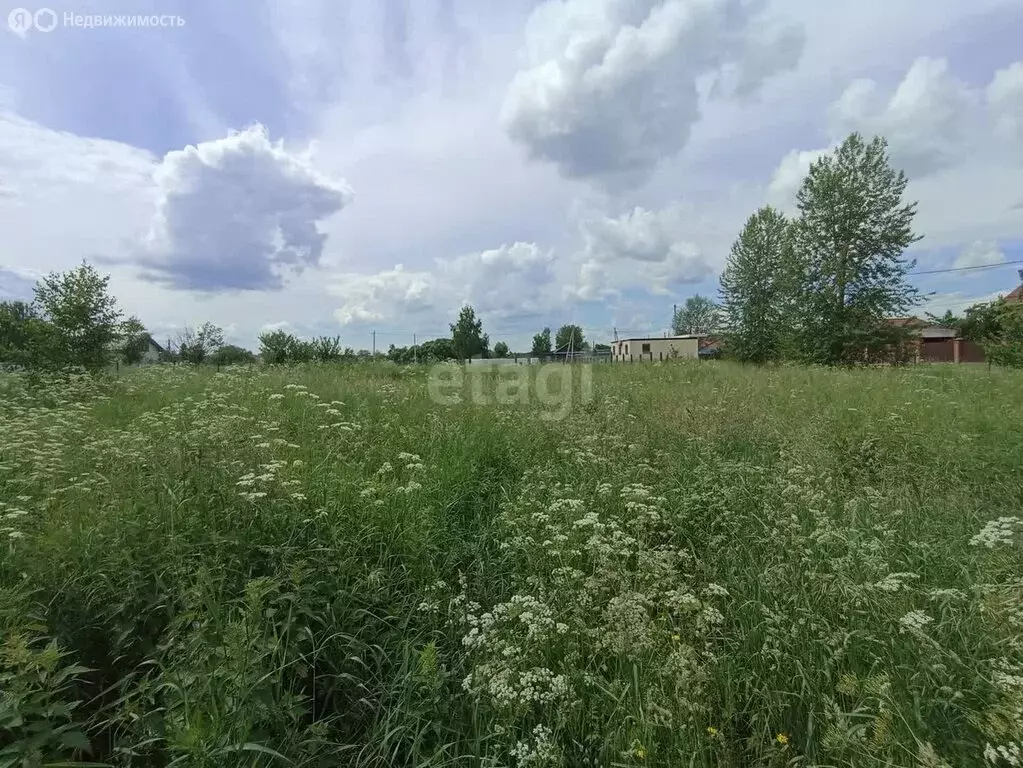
<point>327,349</point>
<point>275,347</point>
<point>753,288</point>
<point>569,337</point>
<point>947,320</point>
<point>134,340</point>
<point>85,316</point>
<point>848,241</point>
<point>542,343</point>
<point>26,339</point>
<point>467,335</point>
<point>698,315</point>
<point>997,327</point>
<point>233,355</point>
<point>437,350</point>
<point>196,346</point>
<point>500,349</point>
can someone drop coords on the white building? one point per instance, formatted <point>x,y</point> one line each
<point>654,348</point>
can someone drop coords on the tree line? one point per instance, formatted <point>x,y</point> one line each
<point>73,321</point>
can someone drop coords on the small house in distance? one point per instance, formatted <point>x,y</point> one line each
<point>654,348</point>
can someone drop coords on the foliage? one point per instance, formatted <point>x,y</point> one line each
<point>500,349</point>
<point>997,327</point>
<point>786,566</point>
<point>26,340</point>
<point>467,335</point>
<point>233,355</point>
<point>78,305</point>
<point>569,338</point>
<point>755,290</point>
<point>947,320</point>
<point>848,242</point>
<point>133,340</point>
<point>699,315</point>
<point>37,724</point>
<point>196,346</point>
<point>542,343</point>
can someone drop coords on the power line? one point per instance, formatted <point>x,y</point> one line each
<point>963,269</point>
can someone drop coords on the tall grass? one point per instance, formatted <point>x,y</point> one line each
<point>704,566</point>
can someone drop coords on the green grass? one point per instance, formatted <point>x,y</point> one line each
<point>702,565</point>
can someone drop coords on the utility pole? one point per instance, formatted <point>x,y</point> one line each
<point>415,352</point>
<point>374,343</point>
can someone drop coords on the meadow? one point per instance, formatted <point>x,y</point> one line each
<point>700,565</point>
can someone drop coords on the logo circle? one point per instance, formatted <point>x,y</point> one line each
<point>45,20</point>
<point>19,20</point>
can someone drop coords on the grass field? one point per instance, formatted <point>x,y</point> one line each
<point>701,565</point>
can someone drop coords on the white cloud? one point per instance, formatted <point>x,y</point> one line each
<point>927,119</point>
<point>1005,100</point>
<point>639,249</point>
<point>788,177</point>
<point>237,213</point>
<point>612,87</point>
<point>507,282</point>
<point>949,139</point>
<point>980,253</point>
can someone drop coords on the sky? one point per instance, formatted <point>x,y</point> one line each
<point>364,168</point>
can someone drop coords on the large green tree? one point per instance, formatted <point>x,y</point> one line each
<point>569,337</point>
<point>85,316</point>
<point>755,288</point>
<point>699,314</point>
<point>849,240</point>
<point>500,349</point>
<point>467,335</point>
<point>542,343</point>
<point>196,346</point>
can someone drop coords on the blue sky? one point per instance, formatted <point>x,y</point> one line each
<point>340,168</point>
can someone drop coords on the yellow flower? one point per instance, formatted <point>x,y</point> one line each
<point>782,738</point>
<point>641,752</point>
<point>712,730</point>
<point>676,638</point>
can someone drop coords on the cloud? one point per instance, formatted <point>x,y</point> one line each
<point>237,213</point>
<point>1005,101</point>
<point>641,248</point>
<point>512,281</point>
<point>788,177</point>
<point>981,253</point>
<point>17,284</point>
<point>612,87</point>
<point>956,143</point>
<point>928,119</point>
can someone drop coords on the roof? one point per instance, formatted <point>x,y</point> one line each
<point>937,332</point>
<point>664,338</point>
<point>906,322</point>
<point>1016,295</point>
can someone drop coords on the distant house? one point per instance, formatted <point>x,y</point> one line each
<point>929,343</point>
<point>1016,296</point>
<point>654,348</point>
<point>150,355</point>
